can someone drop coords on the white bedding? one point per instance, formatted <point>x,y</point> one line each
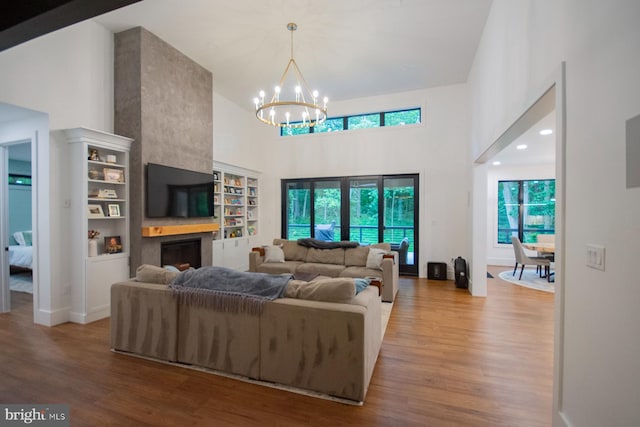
<point>21,256</point>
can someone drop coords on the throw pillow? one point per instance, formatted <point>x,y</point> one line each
<point>374,259</point>
<point>153,274</point>
<point>361,284</point>
<point>273,254</point>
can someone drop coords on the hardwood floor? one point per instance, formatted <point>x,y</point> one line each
<point>448,359</point>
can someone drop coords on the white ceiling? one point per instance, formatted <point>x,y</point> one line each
<point>540,148</point>
<point>345,48</point>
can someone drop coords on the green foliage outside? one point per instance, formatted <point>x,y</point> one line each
<point>538,207</point>
<point>361,121</point>
<point>399,118</point>
<point>330,125</point>
<point>364,121</point>
<point>363,209</point>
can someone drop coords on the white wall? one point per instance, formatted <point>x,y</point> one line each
<point>597,342</point>
<point>68,76</point>
<point>436,149</point>
<point>501,254</point>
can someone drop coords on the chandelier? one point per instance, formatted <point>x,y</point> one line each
<point>303,110</point>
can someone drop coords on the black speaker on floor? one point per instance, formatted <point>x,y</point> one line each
<point>437,271</point>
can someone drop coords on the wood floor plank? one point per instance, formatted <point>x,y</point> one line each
<point>448,359</point>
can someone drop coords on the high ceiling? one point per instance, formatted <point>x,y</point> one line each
<point>345,48</point>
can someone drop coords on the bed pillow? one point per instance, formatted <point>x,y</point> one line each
<point>273,254</point>
<point>26,235</point>
<point>374,259</point>
<point>22,237</point>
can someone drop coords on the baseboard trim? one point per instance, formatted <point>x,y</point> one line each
<point>52,317</point>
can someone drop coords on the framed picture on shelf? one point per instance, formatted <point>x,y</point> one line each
<point>112,245</point>
<point>239,221</point>
<point>95,211</point>
<point>114,209</point>
<point>216,200</point>
<point>113,175</point>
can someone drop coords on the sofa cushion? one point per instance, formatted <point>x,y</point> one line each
<point>330,270</point>
<point>356,256</point>
<point>273,254</point>
<point>289,267</point>
<point>385,246</point>
<point>374,259</point>
<point>326,256</point>
<point>360,272</point>
<point>330,289</point>
<point>292,250</point>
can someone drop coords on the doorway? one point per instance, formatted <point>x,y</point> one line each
<point>365,209</point>
<point>16,214</point>
<point>24,136</point>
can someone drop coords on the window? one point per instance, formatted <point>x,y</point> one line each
<point>526,209</point>
<point>330,125</point>
<point>360,121</point>
<point>364,121</point>
<point>19,180</point>
<point>364,209</point>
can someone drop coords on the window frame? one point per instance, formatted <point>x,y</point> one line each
<point>521,206</point>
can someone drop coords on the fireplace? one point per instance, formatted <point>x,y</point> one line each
<point>181,252</point>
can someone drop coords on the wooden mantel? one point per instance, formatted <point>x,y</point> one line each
<point>173,230</point>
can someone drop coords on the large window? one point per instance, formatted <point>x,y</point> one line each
<point>360,121</point>
<point>526,209</point>
<point>368,210</point>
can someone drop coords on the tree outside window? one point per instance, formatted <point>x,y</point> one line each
<point>526,209</point>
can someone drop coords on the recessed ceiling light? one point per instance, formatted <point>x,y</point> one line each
<point>546,132</point>
<point>521,146</point>
<point>496,163</point>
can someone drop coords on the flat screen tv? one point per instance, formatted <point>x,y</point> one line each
<point>175,192</point>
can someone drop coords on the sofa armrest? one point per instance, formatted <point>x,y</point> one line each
<point>256,257</point>
<point>322,346</point>
<point>390,276</point>
<point>144,319</point>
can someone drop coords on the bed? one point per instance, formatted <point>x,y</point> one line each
<point>21,255</point>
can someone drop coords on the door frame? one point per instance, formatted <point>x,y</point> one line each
<point>345,223</point>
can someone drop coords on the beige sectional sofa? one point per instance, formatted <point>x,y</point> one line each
<point>350,262</point>
<point>324,346</point>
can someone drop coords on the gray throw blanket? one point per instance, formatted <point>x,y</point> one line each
<point>321,244</point>
<point>228,290</point>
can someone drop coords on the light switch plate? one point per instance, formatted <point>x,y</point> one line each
<point>595,256</point>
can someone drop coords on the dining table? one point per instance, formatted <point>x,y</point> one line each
<point>544,248</point>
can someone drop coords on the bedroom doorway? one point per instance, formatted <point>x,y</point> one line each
<point>16,223</point>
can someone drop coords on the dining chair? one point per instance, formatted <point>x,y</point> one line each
<point>523,259</point>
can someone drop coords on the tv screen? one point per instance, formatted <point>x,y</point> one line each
<point>175,192</point>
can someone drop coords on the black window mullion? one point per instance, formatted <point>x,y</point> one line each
<point>312,207</point>
<point>345,209</point>
<point>521,210</point>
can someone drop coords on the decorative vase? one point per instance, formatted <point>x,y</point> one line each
<point>93,247</point>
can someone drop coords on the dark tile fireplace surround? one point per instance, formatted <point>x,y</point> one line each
<point>194,249</point>
<point>181,253</point>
